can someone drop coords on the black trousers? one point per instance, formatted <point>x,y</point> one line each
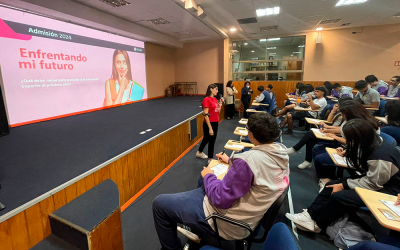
<point>230,110</point>
<point>246,105</point>
<point>328,207</point>
<point>209,139</point>
<point>310,141</point>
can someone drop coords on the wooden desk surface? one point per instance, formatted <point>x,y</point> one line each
<point>371,199</point>
<point>381,119</point>
<point>255,111</point>
<point>322,137</point>
<point>305,109</point>
<point>333,151</point>
<point>372,108</point>
<point>243,121</point>
<point>315,121</point>
<point>216,162</point>
<point>241,131</point>
<point>259,104</point>
<point>233,142</point>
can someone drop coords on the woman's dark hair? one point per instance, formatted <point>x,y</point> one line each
<point>336,85</point>
<point>246,82</point>
<point>345,99</point>
<point>371,78</point>
<point>298,85</point>
<point>270,86</point>
<point>308,88</point>
<point>392,109</point>
<point>357,111</point>
<point>360,84</point>
<point>229,84</point>
<point>211,86</point>
<point>328,86</point>
<point>115,74</point>
<point>260,88</point>
<point>327,83</point>
<point>264,127</point>
<point>361,140</point>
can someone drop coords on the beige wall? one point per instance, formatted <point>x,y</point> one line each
<point>202,62</point>
<point>160,69</point>
<point>344,56</point>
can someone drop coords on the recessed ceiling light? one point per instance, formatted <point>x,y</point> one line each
<point>252,51</point>
<point>263,40</point>
<point>301,46</point>
<point>233,29</point>
<point>274,39</point>
<point>116,3</point>
<point>291,55</point>
<point>396,15</point>
<point>268,11</point>
<point>245,43</point>
<point>349,2</point>
<point>271,48</point>
<point>319,28</point>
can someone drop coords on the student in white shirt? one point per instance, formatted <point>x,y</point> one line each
<point>318,104</point>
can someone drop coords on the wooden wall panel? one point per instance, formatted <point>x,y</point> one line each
<point>107,235</point>
<point>131,173</point>
<point>282,87</point>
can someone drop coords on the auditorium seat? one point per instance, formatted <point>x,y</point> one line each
<point>279,238</point>
<point>371,245</point>
<point>388,139</point>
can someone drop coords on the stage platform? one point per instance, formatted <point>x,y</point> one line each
<point>37,160</point>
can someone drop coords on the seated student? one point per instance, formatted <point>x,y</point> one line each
<point>365,151</point>
<point>309,139</point>
<point>328,85</point>
<point>263,98</point>
<point>342,91</point>
<point>254,181</point>
<point>393,89</point>
<point>373,82</point>
<point>269,89</point>
<point>308,89</point>
<point>318,104</point>
<point>294,94</point>
<point>392,109</point>
<point>368,97</point>
<point>325,168</point>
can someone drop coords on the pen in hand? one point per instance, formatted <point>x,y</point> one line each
<point>223,152</point>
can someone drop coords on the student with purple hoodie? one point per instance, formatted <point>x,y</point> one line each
<point>254,181</point>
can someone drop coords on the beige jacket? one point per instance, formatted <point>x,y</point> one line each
<point>229,93</point>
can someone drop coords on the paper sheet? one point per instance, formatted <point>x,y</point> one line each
<point>235,146</point>
<point>220,169</point>
<point>339,159</point>
<point>243,122</point>
<point>391,206</point>
<point>250,110</point>
<point>316,130</point>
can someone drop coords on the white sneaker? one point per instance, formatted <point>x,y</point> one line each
<point>290,151</point>
<point>304,165</point>
<point>201,155</point>
<point>322,182</point>
<point>304,220</point>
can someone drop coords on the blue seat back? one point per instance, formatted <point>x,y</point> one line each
<point>280,238</point>
<point>323,112</point>
<point>387,138</point>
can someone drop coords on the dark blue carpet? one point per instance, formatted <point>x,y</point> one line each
<point>39,157</point>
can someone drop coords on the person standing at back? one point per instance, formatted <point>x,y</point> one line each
<point>246,97</point>
<point>211,109</point>
<point>230,99</point>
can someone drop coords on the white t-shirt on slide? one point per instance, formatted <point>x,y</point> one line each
<point>321,102</point>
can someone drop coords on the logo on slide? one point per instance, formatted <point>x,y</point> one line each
<point>7,32</point>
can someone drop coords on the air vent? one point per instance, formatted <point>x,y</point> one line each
<point>158,21</point>
<point>185,33</point>
<point>269,28</point>
<point>116,3</point>
<point>345,24</point>
<point>330,21</point>
<point>247,20</point>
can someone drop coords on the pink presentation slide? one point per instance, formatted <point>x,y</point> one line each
<point>51,68</point>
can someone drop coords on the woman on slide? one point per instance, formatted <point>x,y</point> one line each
<point>118,87</point>
<point>365,151</point>
<point>211,109</point>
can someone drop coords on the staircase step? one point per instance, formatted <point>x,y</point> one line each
<point>53,242</point>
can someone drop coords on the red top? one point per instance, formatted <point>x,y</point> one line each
<point>213,108</point>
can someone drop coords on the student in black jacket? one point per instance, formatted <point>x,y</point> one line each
<point>246,97</point>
